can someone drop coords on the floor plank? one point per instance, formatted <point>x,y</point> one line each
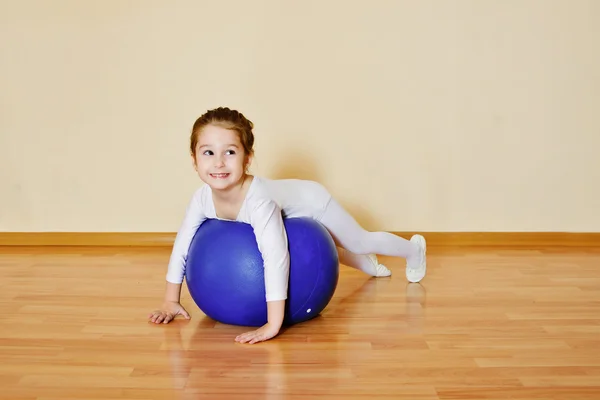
<point>486,323</point>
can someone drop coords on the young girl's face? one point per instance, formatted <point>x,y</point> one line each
<point>220,160</point>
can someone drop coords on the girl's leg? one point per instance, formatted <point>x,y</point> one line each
<point>366,263</point>
<point>348,234</point>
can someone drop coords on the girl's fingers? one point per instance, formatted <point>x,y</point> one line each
<point>159,318</point>
<point>258,338</point>
<point>250,337</point>
<point>242,338</point>
<point>245,337</point>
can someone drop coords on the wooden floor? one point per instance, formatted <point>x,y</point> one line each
<point>484,324</point>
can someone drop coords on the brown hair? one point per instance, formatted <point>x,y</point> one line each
<point>228,119</point>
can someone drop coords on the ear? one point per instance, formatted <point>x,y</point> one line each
<point>249,159</point>
<point>193,161</point>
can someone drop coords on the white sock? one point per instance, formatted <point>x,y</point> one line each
<point>366,263</point>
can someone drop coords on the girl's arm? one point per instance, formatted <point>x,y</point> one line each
<point>170,307</point>
<point>271,236</point>
<point>275,313</point>
<point>194,217</point>
<point>275,310</point>
<point>173,292</point>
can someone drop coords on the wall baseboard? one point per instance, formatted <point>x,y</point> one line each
<point>511,239</point>
<point>165,239</point>
<point>144,239</point>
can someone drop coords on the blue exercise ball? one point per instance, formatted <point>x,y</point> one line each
<point>225,272</point>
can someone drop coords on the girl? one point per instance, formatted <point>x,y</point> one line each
<point>221,147</point>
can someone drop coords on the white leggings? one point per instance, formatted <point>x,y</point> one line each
<point>355,243</point>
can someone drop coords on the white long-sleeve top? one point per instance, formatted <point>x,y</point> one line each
<point>266,203</point>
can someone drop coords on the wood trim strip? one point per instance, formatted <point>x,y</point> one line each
<point>144,239</point>
<point>512,239</point>
<point>165,239</point>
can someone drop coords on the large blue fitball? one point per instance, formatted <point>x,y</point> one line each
<point>225,272</point>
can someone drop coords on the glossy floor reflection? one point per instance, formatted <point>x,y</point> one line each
<point>484,324</point>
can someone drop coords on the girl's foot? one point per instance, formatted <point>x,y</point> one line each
<point>381,270</point>
<point>416,267</point>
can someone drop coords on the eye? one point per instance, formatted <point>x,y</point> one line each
<point>208,153</point>
<point>230,152</point>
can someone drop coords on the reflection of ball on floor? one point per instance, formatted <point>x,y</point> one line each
<point>225,273</point>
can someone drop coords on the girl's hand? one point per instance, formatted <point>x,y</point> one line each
<point>168,311</point>
<point>263,333</point>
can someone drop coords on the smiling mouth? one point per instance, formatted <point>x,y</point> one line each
<point>219,176</point>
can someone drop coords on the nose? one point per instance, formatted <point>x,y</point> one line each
<point>219,162</point>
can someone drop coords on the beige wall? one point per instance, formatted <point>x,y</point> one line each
<point>418,115</point>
